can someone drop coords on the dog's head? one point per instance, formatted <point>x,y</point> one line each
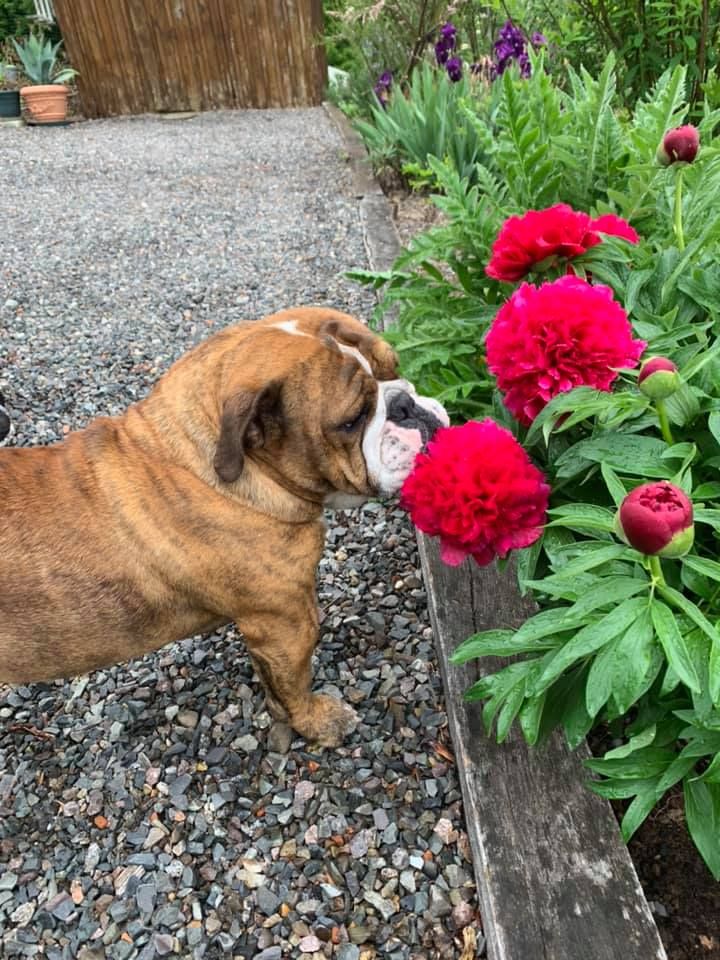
<point>314,398</point>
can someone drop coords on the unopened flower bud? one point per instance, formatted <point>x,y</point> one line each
<point>682,143</point>
<point>658,378</point>
<point>657,519</point>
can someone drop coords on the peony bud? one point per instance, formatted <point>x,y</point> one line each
<point>682,143</point>
<point>658,378</point>
<point>657,518</point>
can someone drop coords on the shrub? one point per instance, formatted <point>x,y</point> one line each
<point>15,17</point>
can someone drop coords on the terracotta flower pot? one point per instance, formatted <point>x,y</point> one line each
<point>46,103</point>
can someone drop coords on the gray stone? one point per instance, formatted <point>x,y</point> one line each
<point>272,953</point>
<point>145,896</point>
<point>8,880</point>
<point>267,901</point>
<point>386,908</point>
<point>348,951</point>
<point>439,904</point>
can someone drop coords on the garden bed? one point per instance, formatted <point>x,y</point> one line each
<point>683,897</point>
<point>520,845</point>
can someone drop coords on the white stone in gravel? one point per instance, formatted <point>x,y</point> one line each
<point>123,878</point>
<point>152,775</point>
<point>92,857</point>
<point>386,908</point>
<point>310,944</point>
<point>304,790</point>
<point>8,880</point>
<point>359,844</point>
<point>252,874</point>
<point>445,830</point>
<point>23,914</point>
<point>155,835</point>
<point>247,743</point>
<point>311,835</point>
<point>407,880</point>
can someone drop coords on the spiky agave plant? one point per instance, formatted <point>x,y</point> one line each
<point>39,59</point>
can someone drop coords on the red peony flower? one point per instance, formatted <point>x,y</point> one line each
<point>657,518</point>
<point>477,490</point>
<point>539,236</point>
<point>546,340</point>
<point>615,227</point>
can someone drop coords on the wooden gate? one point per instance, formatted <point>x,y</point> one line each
<point>135,56</point>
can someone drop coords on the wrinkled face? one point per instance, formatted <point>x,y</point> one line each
<point>373,424</point>
<point>339,424</point>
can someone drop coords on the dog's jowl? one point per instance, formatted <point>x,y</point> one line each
<point>203,504</point>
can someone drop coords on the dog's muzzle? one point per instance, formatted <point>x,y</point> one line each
<point>403,425</point>
<point>411,412</point>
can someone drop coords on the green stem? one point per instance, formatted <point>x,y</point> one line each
<point>677,219</point>
<point>664,422</point>
<point>656,571</point>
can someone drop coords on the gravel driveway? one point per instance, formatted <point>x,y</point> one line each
<point>153,809</point>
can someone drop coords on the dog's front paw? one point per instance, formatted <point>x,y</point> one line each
<point>327,721</point>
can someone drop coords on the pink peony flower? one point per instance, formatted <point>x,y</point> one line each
<point>546,340</point>
<point>477,490</point>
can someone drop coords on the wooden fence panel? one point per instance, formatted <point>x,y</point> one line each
<point>177,55</point>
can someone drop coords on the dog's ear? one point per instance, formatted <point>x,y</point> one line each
<point>242,425</point>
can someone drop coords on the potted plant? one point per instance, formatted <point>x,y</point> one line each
<point>46,97</point>
<point>9,94</point>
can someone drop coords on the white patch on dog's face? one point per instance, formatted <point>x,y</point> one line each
<point>290,326</point>
<point>390,449</point>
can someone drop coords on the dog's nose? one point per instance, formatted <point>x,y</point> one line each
<point>401,407</point>
<point>405,411</point>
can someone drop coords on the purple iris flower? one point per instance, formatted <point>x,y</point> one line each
<point>454,69</point>
<point>449,32</point>
<point>512,45</point>
<point>446,43</point>
<point>382,87</point>
<point>538,39</point>
<point>442,52</point>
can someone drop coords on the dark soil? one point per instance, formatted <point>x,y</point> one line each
<point>679,887</point>
<point>682,893</point>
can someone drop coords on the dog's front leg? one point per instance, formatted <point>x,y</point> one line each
<point>281,647</point>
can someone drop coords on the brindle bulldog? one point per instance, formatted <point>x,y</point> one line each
<point>203,504</point>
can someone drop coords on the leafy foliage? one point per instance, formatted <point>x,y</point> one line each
<point>646,39</point>
<point>619,638</point>
<point>14,17</point>
<point>426,121</point>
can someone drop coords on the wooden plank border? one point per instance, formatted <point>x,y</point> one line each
<point>555,880</point>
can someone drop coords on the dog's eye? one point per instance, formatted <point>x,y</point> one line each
<point>351,425</point>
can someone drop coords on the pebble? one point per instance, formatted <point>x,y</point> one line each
<point>170,815</point>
